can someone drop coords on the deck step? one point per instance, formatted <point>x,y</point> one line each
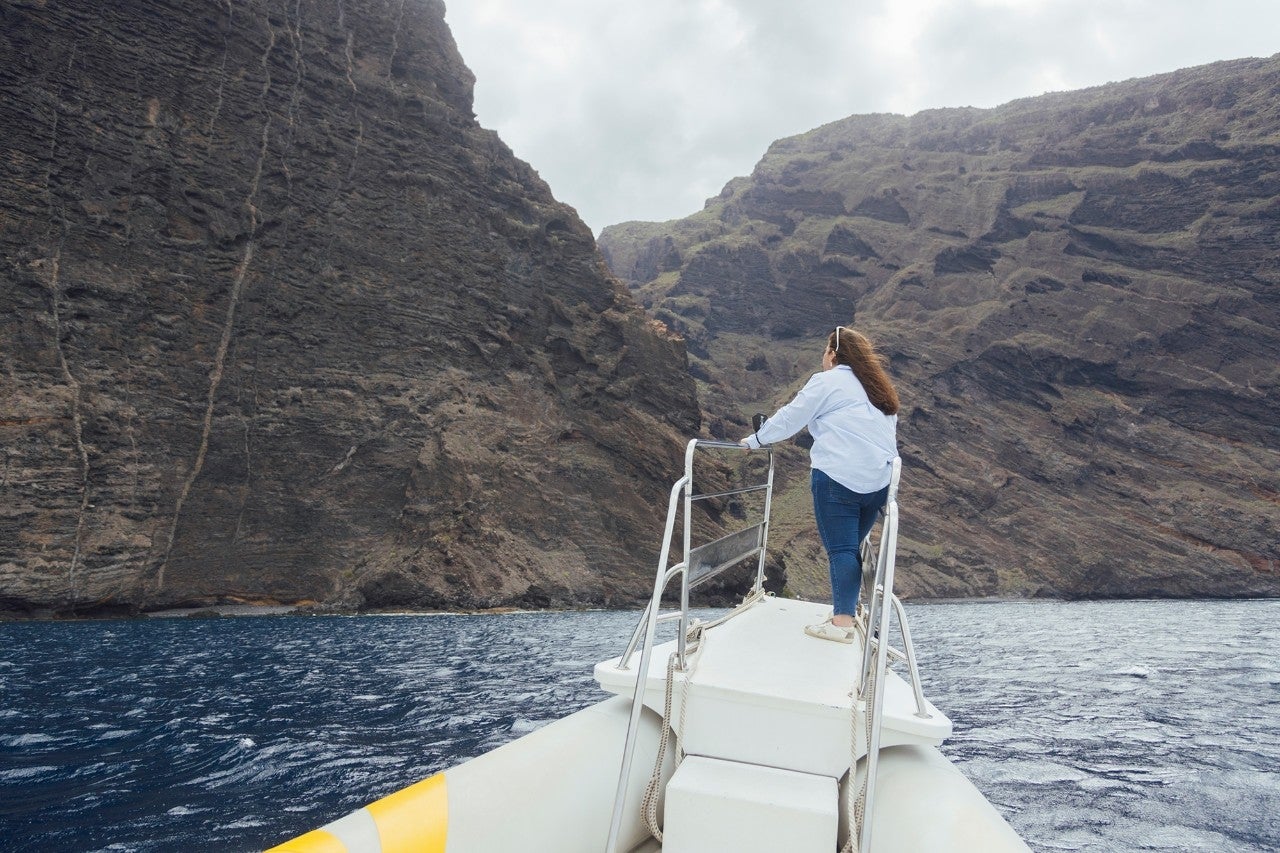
<point>715,805</point>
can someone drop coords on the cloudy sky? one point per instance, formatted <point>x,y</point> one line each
<point>642,109</point>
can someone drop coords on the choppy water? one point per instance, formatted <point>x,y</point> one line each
<point>1092,726</point>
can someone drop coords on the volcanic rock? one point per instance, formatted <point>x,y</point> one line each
<point>1079,296</point>
<point>280,323</point>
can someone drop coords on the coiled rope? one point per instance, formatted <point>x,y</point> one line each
<point>855,804</point>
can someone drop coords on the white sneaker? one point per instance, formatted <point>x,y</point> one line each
<point>827,631</point>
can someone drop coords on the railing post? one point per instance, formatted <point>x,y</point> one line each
<point>681,640</point>
<point>650,617</point>
<point>876,628</point>
<point>909,653</point>
<point>642,672</point>
<point>764,538</point>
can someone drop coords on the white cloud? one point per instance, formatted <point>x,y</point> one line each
<point>642,110</point>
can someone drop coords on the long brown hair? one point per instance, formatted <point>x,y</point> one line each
<point>868,365</point>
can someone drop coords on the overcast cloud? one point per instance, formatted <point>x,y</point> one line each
<point>642,109</point>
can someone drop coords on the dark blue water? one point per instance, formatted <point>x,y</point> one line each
<point>1100,727</point>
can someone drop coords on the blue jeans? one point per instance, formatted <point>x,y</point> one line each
<point>844,518</point>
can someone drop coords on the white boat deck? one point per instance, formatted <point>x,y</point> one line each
<point>768,731</point>
<point>763,692</point>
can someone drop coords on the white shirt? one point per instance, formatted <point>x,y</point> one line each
<point>854,443</point>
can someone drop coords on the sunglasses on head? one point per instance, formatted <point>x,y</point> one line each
<point>838,330</point>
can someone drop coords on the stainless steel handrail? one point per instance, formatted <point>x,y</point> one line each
<point>875,653</point>
<point>637,700</point>
<point>878,640</point>
<point>873,680</point>
<point>922,709</point>
<point>908,657</point>
<point>651,616</point>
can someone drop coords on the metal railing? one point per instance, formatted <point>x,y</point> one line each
<point>875,666</point>
<point>704,562</point>
<point>697,566</point>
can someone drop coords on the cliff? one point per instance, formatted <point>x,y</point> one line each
<point>279,322</point>
<point>1078,294</point>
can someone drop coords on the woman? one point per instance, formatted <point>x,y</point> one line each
<point>851,410</point>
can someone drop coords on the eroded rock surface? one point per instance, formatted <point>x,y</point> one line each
<point>280,322</point>
<point>1080,297</point>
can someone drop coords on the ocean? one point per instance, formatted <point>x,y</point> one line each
<point>1092,726</point>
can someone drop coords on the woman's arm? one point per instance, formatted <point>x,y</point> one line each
<point>792,417</point>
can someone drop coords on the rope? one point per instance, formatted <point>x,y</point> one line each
<point>652,791</point>
<point>693,647</point>
<point>855,805</point>
<point>649,805</point>
<point>750,599</point>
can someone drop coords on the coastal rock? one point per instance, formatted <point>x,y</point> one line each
<point>280,323</point>
<point>1079,297</point>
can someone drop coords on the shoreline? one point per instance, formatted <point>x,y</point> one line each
<point>240,611</point>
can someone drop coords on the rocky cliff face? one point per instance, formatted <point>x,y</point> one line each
<point>1080,297</point>
<point>280,322</point>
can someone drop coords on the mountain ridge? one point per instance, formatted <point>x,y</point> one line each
<point>1076,294</point>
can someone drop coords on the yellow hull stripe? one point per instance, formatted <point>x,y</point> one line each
<point>315,841</point>
<point>414,819</point>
